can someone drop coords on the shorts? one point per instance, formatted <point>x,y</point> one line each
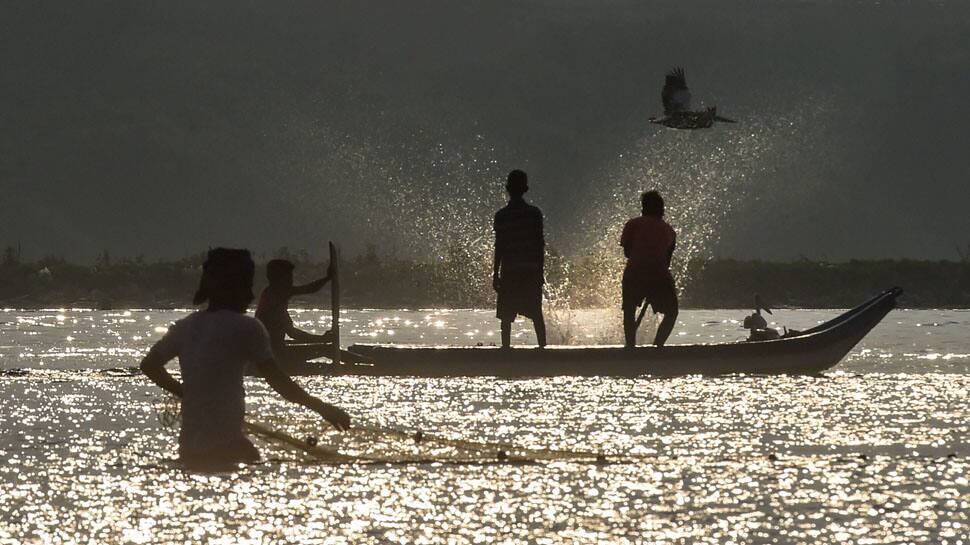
<point>519,294</point>
<point>656,290</point>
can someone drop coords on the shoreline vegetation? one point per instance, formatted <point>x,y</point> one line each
<point>370,280</point>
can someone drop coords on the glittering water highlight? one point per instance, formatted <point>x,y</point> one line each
<point>907,341</point>
<point>873,452</point>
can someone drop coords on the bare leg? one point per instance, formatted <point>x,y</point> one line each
<point>506,334</point>
<point>666,326</point>
<point>540,325</point>
<point>630,326</point>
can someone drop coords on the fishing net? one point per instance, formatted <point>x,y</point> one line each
<point>365,443</point>
<point>370,443</point>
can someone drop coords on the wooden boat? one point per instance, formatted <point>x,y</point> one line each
<point>298,359</point>
<point>806,352</point>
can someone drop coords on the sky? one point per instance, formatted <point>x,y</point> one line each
<point>164,128</point>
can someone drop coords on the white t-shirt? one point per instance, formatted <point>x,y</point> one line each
<point>213,349</point>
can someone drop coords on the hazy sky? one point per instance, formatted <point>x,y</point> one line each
<point>163,128</point>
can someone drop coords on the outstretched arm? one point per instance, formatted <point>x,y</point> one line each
<point>153,365</point>
<point>291,391</point>
<point>314,286</point>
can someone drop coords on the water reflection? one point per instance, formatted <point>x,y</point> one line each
<point>875,458</point>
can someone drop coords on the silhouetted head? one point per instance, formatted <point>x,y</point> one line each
<point>227,280</point>
<point>652,204</point>
<point>279,272</point>
<point>517,183</point>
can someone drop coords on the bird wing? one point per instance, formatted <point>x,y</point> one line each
<point>675,94</point>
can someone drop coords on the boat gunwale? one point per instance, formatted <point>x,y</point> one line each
<point>807,352</point>
<point>839,322</point>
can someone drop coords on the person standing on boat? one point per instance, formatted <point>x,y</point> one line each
<point>272,309</point>
<point>648,244</point>
<point>213,347</point>
<point>520,247</point>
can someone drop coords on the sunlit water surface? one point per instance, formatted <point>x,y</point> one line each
<point>875,451</point>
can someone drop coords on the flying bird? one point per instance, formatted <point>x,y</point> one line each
<point>676,101</point>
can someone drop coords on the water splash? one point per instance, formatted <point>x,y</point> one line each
<point>706,178</point>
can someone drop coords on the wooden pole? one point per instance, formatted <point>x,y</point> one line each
<point>335,301</point>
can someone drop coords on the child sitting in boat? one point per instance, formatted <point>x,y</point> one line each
<point>213,347</point>
<point>272,309</point>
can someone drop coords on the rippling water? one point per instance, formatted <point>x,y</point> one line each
<point>873,452</point>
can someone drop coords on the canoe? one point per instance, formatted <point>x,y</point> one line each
<point>297,359</point>
<point>806,352</point>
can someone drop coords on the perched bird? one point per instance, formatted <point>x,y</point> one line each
<point>675,97</point>
<point>756,320</point>
<point>757,324</point>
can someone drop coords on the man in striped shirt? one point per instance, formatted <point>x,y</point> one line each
<point>520,248</point>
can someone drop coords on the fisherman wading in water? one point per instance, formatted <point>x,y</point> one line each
<point>213,347</point>
<point>517,275</point>
<point>648,244</point>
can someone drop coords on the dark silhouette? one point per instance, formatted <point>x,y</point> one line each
<point>213,347</point>
<point>648,244</point>
<point>517,275</point>
<point>675,97</point>
<point>756,320</point>
<point>757,325</point>
<point>272,309</point>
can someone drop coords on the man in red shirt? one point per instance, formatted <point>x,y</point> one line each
<point>648,243</point>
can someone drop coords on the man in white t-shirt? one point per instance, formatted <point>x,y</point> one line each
<point>213,347</point>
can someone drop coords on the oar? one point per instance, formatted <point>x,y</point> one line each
<point>335,301</point>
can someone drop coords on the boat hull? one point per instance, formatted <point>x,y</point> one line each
<point>809,352</point>
<point>303,359</point>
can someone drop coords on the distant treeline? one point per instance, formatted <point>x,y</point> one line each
<point>461,279</point>
<point>729,283</point>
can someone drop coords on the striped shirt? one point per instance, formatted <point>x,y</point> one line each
<point>519,242</point>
